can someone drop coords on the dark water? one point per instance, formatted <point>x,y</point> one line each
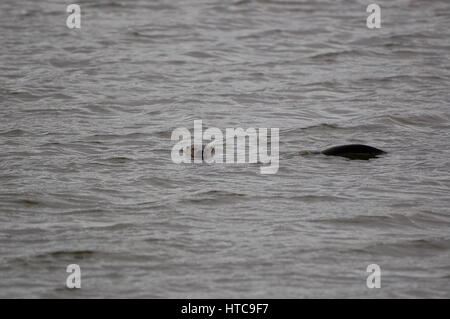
<point>85,169</point>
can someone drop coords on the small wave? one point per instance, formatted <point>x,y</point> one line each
<point>372,221</point>
<point>220,193</point>
<point>111,227</point>
<point>199,54</point>
<point>13,133</point>
<point>300,130</point>
<point>415,120</point>
<point>79,254</point>
<point>416,247</point>
<point>50,256</point>
<point>213,197</point>
<point>315,198</point>
<point>112,161</point>
<point>335,55</point>
<point>107,4</point>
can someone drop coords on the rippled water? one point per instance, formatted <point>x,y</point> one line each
<point>86,175</point>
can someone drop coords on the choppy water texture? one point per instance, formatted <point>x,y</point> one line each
<point>86,175</point>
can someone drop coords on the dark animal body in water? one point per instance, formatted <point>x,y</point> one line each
<point>350,151</point>
<point>354,151</point>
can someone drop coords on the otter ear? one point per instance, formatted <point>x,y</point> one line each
<point>213,152</point>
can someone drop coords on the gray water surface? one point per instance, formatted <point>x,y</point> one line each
<point>86,175</point>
